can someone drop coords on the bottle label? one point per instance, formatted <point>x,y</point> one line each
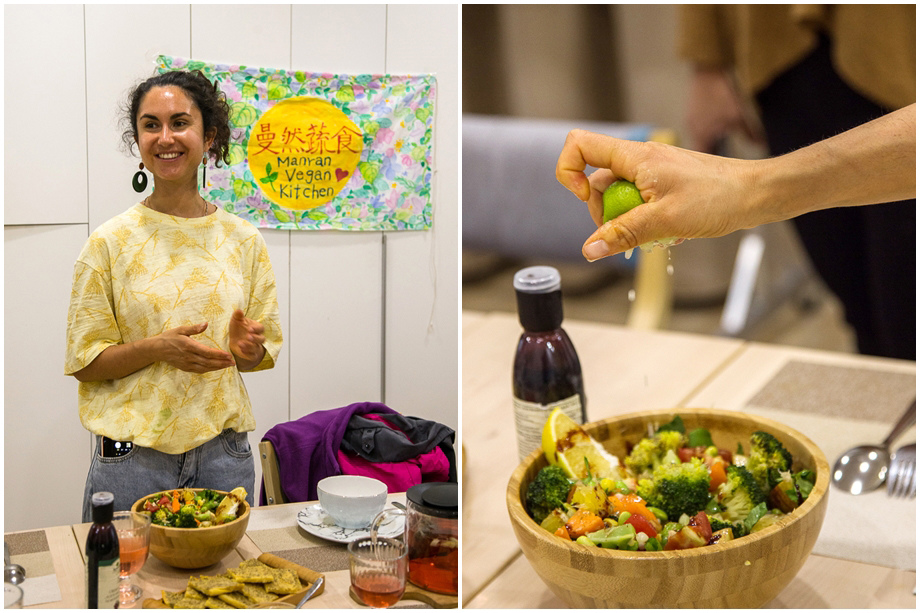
<point>108,578</point>
<point>530,418</point>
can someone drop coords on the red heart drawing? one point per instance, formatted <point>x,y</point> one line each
<point>340,173</point>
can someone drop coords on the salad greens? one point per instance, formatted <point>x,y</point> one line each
<point>674,490</point>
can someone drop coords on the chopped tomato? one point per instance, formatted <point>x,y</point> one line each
<point>642,525</point>
<point>716,473</point>
<point>700,524</point>
<point>633,504</point>
<point>685,453</point>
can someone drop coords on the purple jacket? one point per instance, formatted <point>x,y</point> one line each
<point>307,448</point>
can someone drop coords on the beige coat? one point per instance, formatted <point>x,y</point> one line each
<point>873,45</point>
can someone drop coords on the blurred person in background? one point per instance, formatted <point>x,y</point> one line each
<point>813,71</point>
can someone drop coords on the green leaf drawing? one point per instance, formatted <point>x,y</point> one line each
<point>249,90</point>
<point>368,170</point>
<point>241,189</point>
<point>237,154</point>
<point>278,90</point>
<point>243,114</point>
<point>345,94</point>
<point>270,177</point>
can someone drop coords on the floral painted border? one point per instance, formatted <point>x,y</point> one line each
<point>392,188</point>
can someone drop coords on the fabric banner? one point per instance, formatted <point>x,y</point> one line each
<point>320,151</point>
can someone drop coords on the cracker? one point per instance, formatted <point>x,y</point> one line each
<point>251,574</point>
<point>238,600</point>
<point>286,582</point>
<point>212,586</point>
<point>216,603</point>
<point>257,593</point>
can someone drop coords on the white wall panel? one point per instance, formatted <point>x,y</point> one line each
<point>122,44</point>
<point>44,442</point>
<point>335,320</point>
<point>44,115</point>
<point>349,38</point>
<point>265,41</point>
<point>422,267</point>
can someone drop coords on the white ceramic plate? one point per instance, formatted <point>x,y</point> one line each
<point>315,521</point>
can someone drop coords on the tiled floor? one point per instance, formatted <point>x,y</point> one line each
<point>807,317</point>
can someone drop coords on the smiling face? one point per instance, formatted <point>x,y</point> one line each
<point>171,135</point>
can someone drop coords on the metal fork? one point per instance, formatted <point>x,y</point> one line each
<point>902,482</point>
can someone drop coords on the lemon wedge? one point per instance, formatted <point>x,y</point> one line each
<point>566,444</point>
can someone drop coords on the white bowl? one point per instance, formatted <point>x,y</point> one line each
<point>352,501</point>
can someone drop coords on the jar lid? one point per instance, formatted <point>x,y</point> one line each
<point>436,499</point>
<point>537,280</point>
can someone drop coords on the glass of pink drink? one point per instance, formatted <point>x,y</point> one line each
<point>133,543</point>
<point>378,570</point>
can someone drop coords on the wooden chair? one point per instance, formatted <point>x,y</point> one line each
<point>270,474</point>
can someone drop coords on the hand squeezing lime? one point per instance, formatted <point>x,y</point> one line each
<point>621,196</point>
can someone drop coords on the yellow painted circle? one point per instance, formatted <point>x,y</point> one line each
<point>303,151</point>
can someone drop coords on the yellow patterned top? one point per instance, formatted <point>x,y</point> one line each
<point>144,272</point>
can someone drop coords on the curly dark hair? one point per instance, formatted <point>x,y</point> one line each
<point>215,112</point>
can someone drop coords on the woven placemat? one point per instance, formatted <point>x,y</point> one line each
<point>838,391</point>
<point>31,551</point>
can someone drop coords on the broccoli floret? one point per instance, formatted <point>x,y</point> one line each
<point>649,453</point>
<point>717,524</point>
<point>549,490</point>
<point>163,517</point>
<point>739,494</point>
<point>767,460</point>
<point>677,489</point>
<point>207,500</point>
<point>186,517</point>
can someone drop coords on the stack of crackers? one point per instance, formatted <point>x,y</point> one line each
<point>250,584</point>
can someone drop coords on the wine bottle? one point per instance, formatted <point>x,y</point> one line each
<point>547,373</point>
<point>102,563</point>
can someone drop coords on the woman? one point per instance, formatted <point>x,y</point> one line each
<point>171,300</point>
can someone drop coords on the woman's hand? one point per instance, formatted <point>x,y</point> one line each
<point>694,195</point>
<point>246,340</point>
<point>177,348</point>
<point>687,194</point>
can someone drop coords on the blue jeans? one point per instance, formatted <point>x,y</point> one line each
<point>223,463</point>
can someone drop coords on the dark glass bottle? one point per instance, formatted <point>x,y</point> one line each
<point>547,372</point>
<point>102,564</point>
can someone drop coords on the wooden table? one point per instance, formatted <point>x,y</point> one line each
<point>271,529</point>
<point>628,370</point>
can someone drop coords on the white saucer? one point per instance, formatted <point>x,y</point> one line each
<point>315,521</point>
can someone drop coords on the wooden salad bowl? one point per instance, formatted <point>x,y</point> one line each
<point>742,573</point>
<point>195,547</point>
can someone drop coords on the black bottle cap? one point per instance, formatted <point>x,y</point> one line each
<point>103,507</point>
<point>539,298</point>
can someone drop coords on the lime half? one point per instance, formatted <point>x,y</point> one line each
<point>620,197</point>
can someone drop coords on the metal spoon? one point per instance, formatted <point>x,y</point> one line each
<point>12,573</point>
<point>864,468</point>
<point>310,592</point>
